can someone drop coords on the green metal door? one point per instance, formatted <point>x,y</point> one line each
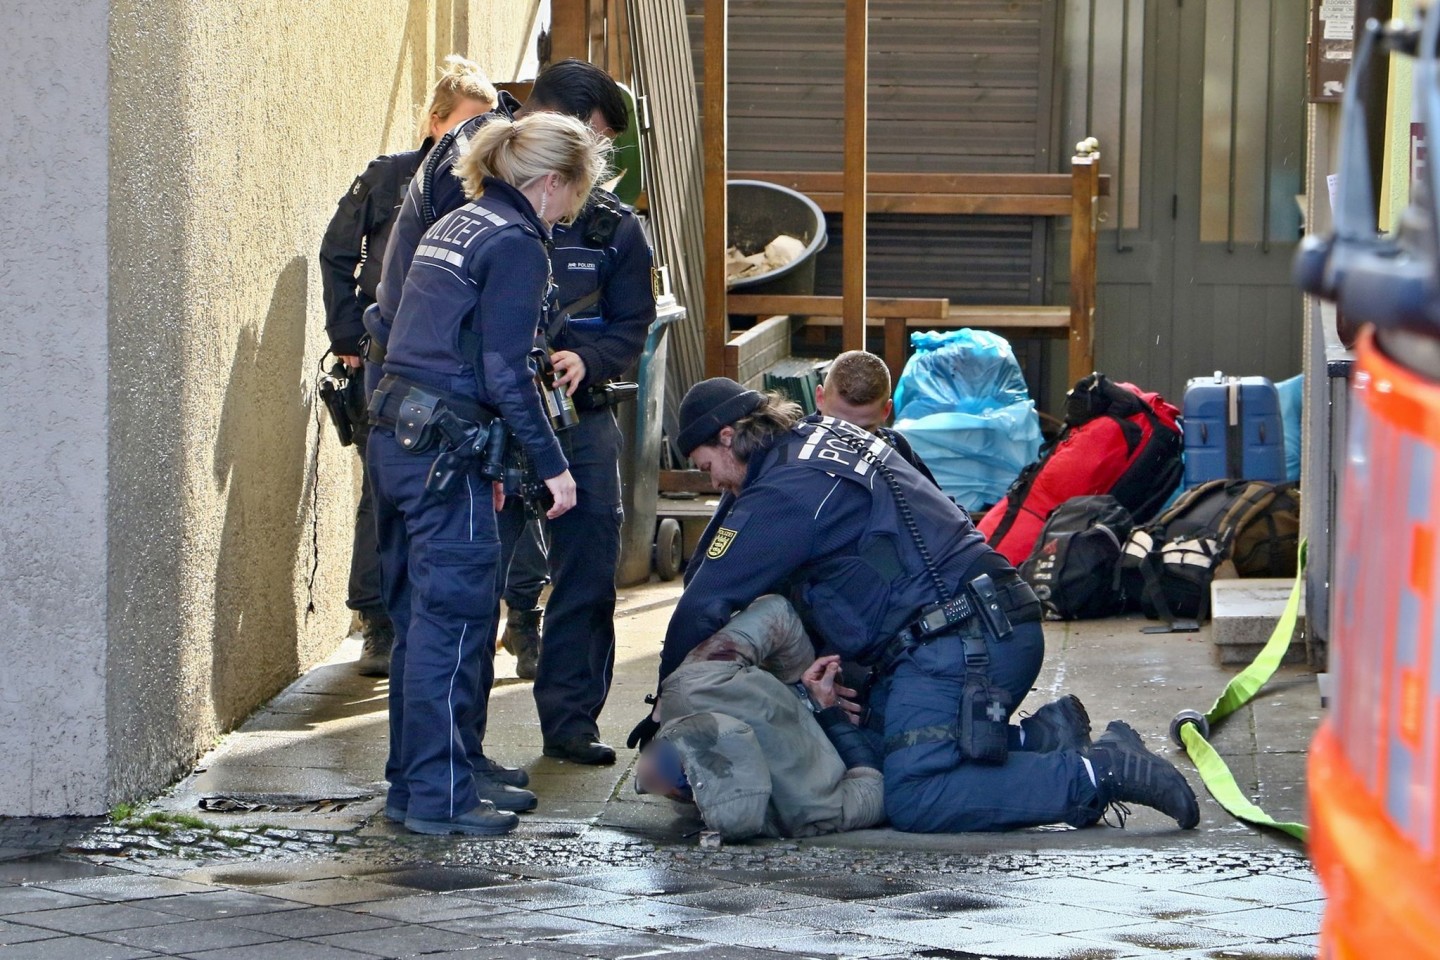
<point>1199,106</point>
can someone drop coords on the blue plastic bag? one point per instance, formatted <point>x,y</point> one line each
<point>1292,402</point>
<point>965,371</point>
<point>963,405</point>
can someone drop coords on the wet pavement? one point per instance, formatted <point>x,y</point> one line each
<point>293,859</point>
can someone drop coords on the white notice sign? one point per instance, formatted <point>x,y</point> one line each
<point>1339,18</point>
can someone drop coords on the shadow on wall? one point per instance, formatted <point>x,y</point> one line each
<point>415,62</point>
<point>260,457</point>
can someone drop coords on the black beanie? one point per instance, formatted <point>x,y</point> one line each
<point>711,405</point>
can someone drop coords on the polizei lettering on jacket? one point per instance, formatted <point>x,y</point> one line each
<point>824,445</point>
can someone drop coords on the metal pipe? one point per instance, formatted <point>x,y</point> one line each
<point>1089,70</point>
<point>1118,177</point>
<point>1269,108</point>
<point>1234,122</point>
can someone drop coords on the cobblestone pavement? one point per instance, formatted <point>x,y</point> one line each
<point>293,860</point>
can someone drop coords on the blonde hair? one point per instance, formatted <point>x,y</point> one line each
<point>519,151</point>
<point>859,378</point>
<point>460,79</point>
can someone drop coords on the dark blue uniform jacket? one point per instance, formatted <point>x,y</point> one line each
<point>353,250</point>
<point>608,335</point>
<point>484,268</point>
<point>446,194</point>
<point>815,521</point>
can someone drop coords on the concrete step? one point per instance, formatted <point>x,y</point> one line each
<point>1245,613</point>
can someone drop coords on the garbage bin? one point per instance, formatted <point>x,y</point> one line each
<point>640,466</point>
<point>760,212</point>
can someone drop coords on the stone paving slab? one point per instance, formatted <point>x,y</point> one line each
<point>600,872</point>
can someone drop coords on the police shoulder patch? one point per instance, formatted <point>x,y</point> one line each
<point>359,189</point>
<point>724,536</point>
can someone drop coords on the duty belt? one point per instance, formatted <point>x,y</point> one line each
<point>408,410</point>
<point>981,607</point>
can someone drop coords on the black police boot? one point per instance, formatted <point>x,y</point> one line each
<point>379,637</point>
<point>1059,725</point>
<point>1126,772</point>
<point>514,776</point>
<point>581,749</point>
<point>522,638</point>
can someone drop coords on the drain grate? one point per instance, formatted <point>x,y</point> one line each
<point>279,803</point>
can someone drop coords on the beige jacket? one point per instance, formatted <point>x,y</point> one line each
<point>757,760</point>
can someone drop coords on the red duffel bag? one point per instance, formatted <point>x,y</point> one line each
<point>1117,439</point>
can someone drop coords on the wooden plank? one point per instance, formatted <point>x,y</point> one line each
<point>1028,317</point>
<point>665,75</point>
<point>1048,321</point>
<point>857,118</point>
<point>767,305</point>
<point>749,353</point>
<point>1046,184</point>
<point>949,184</point>
<point>686,481</point>
<point>897,337</point>
<point>963,205</point>
<point>569,29</point>
<point>716,123</point>
<point>1085,169</point>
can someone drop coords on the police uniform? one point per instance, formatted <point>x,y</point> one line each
<point>432,192</point>
<point>603,252</point>
<point>820,522</point>
<point>480,272</point>
<point>351,256</point>
<point>902,446</point>
<point>578,652</point>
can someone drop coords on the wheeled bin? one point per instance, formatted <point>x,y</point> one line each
<point>640,425</point>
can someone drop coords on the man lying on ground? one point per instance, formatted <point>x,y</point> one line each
<point>758,734</point>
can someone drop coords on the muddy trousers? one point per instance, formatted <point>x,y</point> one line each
<point>438,560</point>
<point>929,788</point>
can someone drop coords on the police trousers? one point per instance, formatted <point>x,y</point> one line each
<point>438,562</point>
<point>929,788</point>
<point>363,590</point>
<point>577,649</point>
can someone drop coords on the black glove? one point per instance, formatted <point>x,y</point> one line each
<point>643,733</point>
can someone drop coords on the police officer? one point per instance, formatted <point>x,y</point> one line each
<point>602,267</point>
<point>889,572</point>
<point>351,255</point>
<point>458,359</point>
<point>604,305</point>
<point>857,390</point>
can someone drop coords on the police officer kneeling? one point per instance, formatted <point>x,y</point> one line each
<point>889,573</point>
<point>458,382</point>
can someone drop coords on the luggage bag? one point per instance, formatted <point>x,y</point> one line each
<point>1233,430</point>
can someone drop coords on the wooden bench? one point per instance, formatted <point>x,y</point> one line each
<point>1072,195</point>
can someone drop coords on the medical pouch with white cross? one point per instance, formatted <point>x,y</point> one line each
<point>982,729</point>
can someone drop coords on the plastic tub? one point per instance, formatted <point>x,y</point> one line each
<point>759,212</point>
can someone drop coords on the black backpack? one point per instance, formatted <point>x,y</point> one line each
<point>1073,565</point>
<point>1223,528</point>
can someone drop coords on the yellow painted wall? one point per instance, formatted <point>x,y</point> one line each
<point>1395,180</point>
<point>234,127</point>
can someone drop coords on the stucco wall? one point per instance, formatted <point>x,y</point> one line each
<point>234,129</point>
<point>52,394</point>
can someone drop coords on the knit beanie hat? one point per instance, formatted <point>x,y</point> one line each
<point>711,405</point>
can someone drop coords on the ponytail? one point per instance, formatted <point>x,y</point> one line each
<point>460,79</point>
<point>519,151</point>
